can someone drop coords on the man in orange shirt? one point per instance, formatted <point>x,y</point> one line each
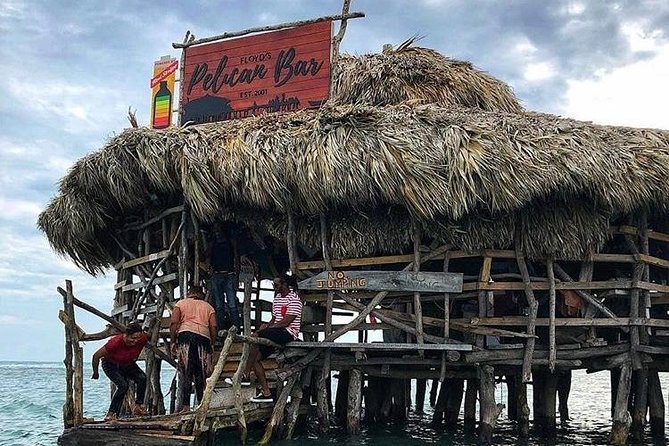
<point>193,333</point>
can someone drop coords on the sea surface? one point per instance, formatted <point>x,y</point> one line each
<point>32,393</point>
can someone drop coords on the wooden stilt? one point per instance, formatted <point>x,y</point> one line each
<point>322,400</point>
<point>434,390</point>
<point>523,407</point>
<point>417,305</point>
<point>354,402</point>
<point>621,418</point>
<point>440,407</point>
<point>511,397</point>
<point>421,387</point>
<point>183,256</point>
<point>552,349</point>
<point>470,404</point>
<point>237,377</point>
<point>656,406</point>
<point>538,406</point>
<point>489,410</point>
<point>533,307</point>
<point>640,406</point>
<point>549,400</point>
<point>563,389</point>
<point>454,402</point>
<point>279,410</point>
<point>201,412</point>
<point>341,397</point>
<point>294,409</point>
<point>68,406</point>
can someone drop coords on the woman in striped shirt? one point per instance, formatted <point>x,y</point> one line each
<point>283,328</point>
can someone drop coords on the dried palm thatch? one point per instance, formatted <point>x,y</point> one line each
<point>419,75</point>
<point>471,177</point>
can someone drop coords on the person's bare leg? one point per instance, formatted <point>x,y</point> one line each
<point>260,374</point>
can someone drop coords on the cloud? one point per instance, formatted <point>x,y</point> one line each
<point>632,95</point>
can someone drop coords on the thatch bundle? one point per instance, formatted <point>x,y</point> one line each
<point>470,177</point>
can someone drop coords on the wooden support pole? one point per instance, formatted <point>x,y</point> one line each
<point>354,402</point>
<point>291,240</point>
<point>421,388</point>
<point>322,400</point>
<point>295,400</point>
<point>68,406</point>
<point>533,307</point>
<point>621,418</point>
<point>78,361</point>
<point>237,390</point>
<point>454,402</point>
<point>489,411</point>
<point>549,400</point>
<point>196,248</point>
<point>523,407</point>
<point>563,389</point>
<point>484,277</point>
<point>417,306</point>
<point>470,404</point>
<point>279,410</point>
<point>201,412</point>
<point>551,318</point>
<point>538,406</point>
<point>183,256</point>
<point>246,308</point>
<point>640,405</point>
<point>656,406</point>
<point>440,407</point>
<point>341,396</point>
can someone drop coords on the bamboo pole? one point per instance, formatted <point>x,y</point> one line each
<point>552,355</point>
<point>201,411</point>
<point>533,307</point>
<point>418,309</point>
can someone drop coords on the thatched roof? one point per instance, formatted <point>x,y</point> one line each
<point>467,163</point>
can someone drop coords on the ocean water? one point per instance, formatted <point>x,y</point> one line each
<point>32,393</point>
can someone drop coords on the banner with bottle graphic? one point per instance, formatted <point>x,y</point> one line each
<point>162,91</point>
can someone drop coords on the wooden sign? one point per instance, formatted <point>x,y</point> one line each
<point>285,70</point>
<point>162,91</point>
<point>426,282</point>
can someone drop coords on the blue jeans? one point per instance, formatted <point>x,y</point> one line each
<point>224,288</point>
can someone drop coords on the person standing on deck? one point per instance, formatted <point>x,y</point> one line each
<point>119,356</point>
<point>192,336</point>
<point>283,328</point>
<point>224,262</point>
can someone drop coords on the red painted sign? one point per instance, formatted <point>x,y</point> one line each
<point>285,70</point>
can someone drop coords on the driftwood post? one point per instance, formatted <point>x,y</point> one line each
<point>489,409</point>
<point>640,405</point>
<point>237,388</point>
<point>417,307</point>
<point>552,350</point>
<point>470,404</point>
<point>78,359</point>
<point>183,256</point>
<point>201,412</point>
<point>533,307</point>
<point>68,406</point>
<point>621,418</point>
<point>291,240</point>
<point>522,405</point>
<point>656,406</point>
<point>196,248</point>
<point>354,402</point>
<point>279,409</point>
<point>322,402</point>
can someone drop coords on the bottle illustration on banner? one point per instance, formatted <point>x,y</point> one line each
<point>162,107</point>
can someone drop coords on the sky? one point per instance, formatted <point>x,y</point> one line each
<point>71,70</point>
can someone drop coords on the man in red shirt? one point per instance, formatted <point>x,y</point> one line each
<point>119,356</point>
